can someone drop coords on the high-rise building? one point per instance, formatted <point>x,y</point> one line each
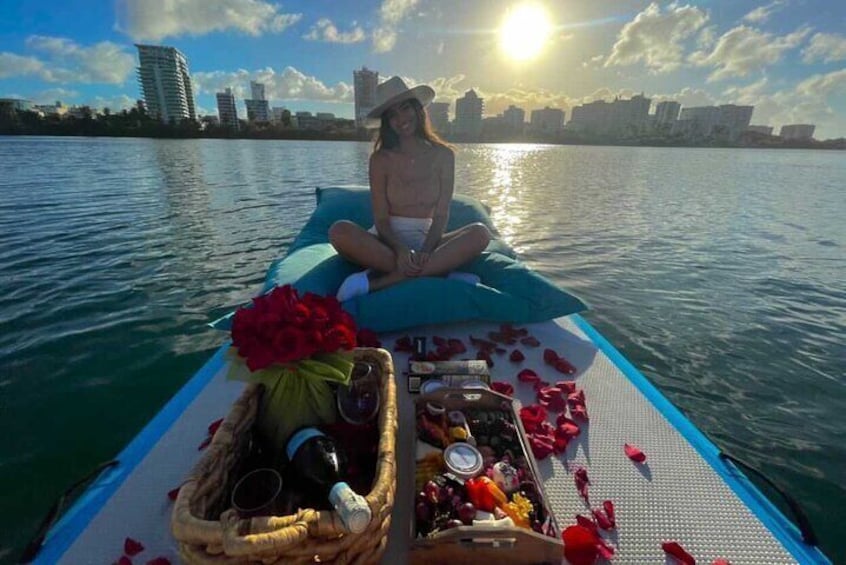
<point>257,90</point>
<point>697,121</point>
<point>166,83</point>
<point>468,115</point>
<point>226,109</point>
<point>439,116</point>
<point>797,131</point>
<point>364,86</point>
<point>733,120</point>
<point>666,113</point>
<point>258,110</point>
<point>514,118</point>
<point>548,120</point>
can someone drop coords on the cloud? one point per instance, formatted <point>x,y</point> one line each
<point>825,47</point>
<point>289,84</point>
<point>66,61</point>
<point>763,13</point>
<point>807,102</point>
<point>744,49</point>
<point>657,38</point>
<point>153,20</point>
<point>325,30</point>
<point>51,95</point>
<point>391,13</point>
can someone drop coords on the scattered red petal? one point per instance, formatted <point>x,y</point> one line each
<point>539,384</point>
<point>485,356</point>
<point>566,426</point>
<point>605,550</point>
<point>586,522</point>
<point>205,443</point>
<point>404,344</point>
<point>132,547</point>
<point>124,560</point>
<point>456,346</point>
<point>720,561</point>
<point>549,356</point>
<point>582,482</point>
<point>675,550</point>
<point>482,343</point>
<point>563,366</point>
<point>214,426</point>
<point>579,545</point>
<point>551,397</point>
<point>608,506</point>
<point>634,453</point>
<point>541,446</point>
<point>516,356</point>
<point>567,386</point>
<point>527,376</point>
<point>438,340</point>
<point>172,494</point>
<point>159,561</point>
<point>602,520</point>
<point>530,341</point>
<point>502,388</point>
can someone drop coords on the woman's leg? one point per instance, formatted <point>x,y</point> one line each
<point>457,248</point>
<point>357,245</point>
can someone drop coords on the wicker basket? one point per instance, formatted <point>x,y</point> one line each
<point>307,537</point>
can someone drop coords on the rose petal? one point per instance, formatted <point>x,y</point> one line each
<point>438,340</point>
<point>502,388</point>
<point>539,384</point>
<point>214,426</point>
<point>601,519</point>
<point>527,376</point>
<point>634,453</point>
<point>579,545</point>
<point>582,482</point>
<point>566,427</point>
<point>563,366</point>
<point>124,560</point>
<point>605,550</point>
<point>530,341</point>
<point>159,561</point>
<point>516,356</point>
<point>456,346</point>
<point>205,443</point>
<point>675,550</point>
<point>608,506</point>
<point>568,387</point>
<point>541,448</point>
<point>132,547</point>
<point>586,522</point>
<point>549,356</point>
<point>172,494</point>
<point>720,561</point>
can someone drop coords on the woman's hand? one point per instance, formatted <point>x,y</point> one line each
<point>407,263</point>
<point>421,258</point>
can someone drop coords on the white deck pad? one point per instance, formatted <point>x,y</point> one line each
<point>675,496</point>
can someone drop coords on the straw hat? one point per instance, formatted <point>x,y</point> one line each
<point>393,91</point>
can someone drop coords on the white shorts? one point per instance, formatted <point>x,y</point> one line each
<point>411,231</point>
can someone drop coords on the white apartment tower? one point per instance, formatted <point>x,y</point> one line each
<point>797,131</point>
<point>364,84</point>
<point>666,113</point>
<point>468,115</point>
<point>257,90</point>
<point>439,116</point>
<point>166,83</point>
<point>226,109</point>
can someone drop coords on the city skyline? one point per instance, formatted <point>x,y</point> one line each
<point>784,57</point>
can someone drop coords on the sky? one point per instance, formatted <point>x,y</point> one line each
<point>785,57</point>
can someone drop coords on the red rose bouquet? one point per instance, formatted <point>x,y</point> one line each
<point>296,346</point>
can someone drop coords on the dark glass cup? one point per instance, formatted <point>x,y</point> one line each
<point>359,402</point>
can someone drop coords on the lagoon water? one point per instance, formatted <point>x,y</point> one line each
<point>720,273</point>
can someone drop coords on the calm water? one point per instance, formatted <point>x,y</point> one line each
<point>719,273</point>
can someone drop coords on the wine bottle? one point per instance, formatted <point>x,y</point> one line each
<point>315,458</point>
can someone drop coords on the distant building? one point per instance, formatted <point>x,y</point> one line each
<point>547,120</point>
<point>58,109</point>
<point>514,118</point>
<point>258,111</point>
<point>591,117</point>
<point>766,130</point>
<point>620,117</point>
<point>439,116</point>
<point>166,83</point>
<point>697,121</point>
<point>364,86</point>
<point>257,90</point>
<point>666,114</point>
<point>468,115</point>
<point>733,120</point>
<point>10,105</point>
<point>227,111</point>
<point>797,131</point>
<point>280,115</point>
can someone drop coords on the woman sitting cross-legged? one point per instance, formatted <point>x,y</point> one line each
<point>412,173</point>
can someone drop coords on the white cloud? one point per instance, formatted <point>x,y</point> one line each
<point>69,62</point>
<point>743,49</point>
<point>657,38</point>
<point>52,95</point>
<point>153,20</point>
<point>807,102</point>
<point>289,84</point>
<point>325,30</point>
<point>103,62</point>
<point>763,13</point>
<point>825,47</point>
<point>13,65</point>
<point>114,103</point>
<point>391,13</point>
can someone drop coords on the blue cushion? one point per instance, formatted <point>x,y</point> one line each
<point>510,291</point>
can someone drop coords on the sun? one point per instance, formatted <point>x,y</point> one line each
<point>524,32</point>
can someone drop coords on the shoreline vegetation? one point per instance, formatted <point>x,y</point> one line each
<point>134,123</point>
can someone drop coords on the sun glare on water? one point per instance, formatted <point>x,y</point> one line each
<point>524,32</point>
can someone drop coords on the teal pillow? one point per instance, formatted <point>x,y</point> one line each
<point>510,291</point>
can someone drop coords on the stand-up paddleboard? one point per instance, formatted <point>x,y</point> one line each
<point>686,491</point>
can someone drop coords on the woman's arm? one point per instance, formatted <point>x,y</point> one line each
<point>440,218</point>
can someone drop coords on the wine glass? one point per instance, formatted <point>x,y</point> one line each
<point>359,402</point>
